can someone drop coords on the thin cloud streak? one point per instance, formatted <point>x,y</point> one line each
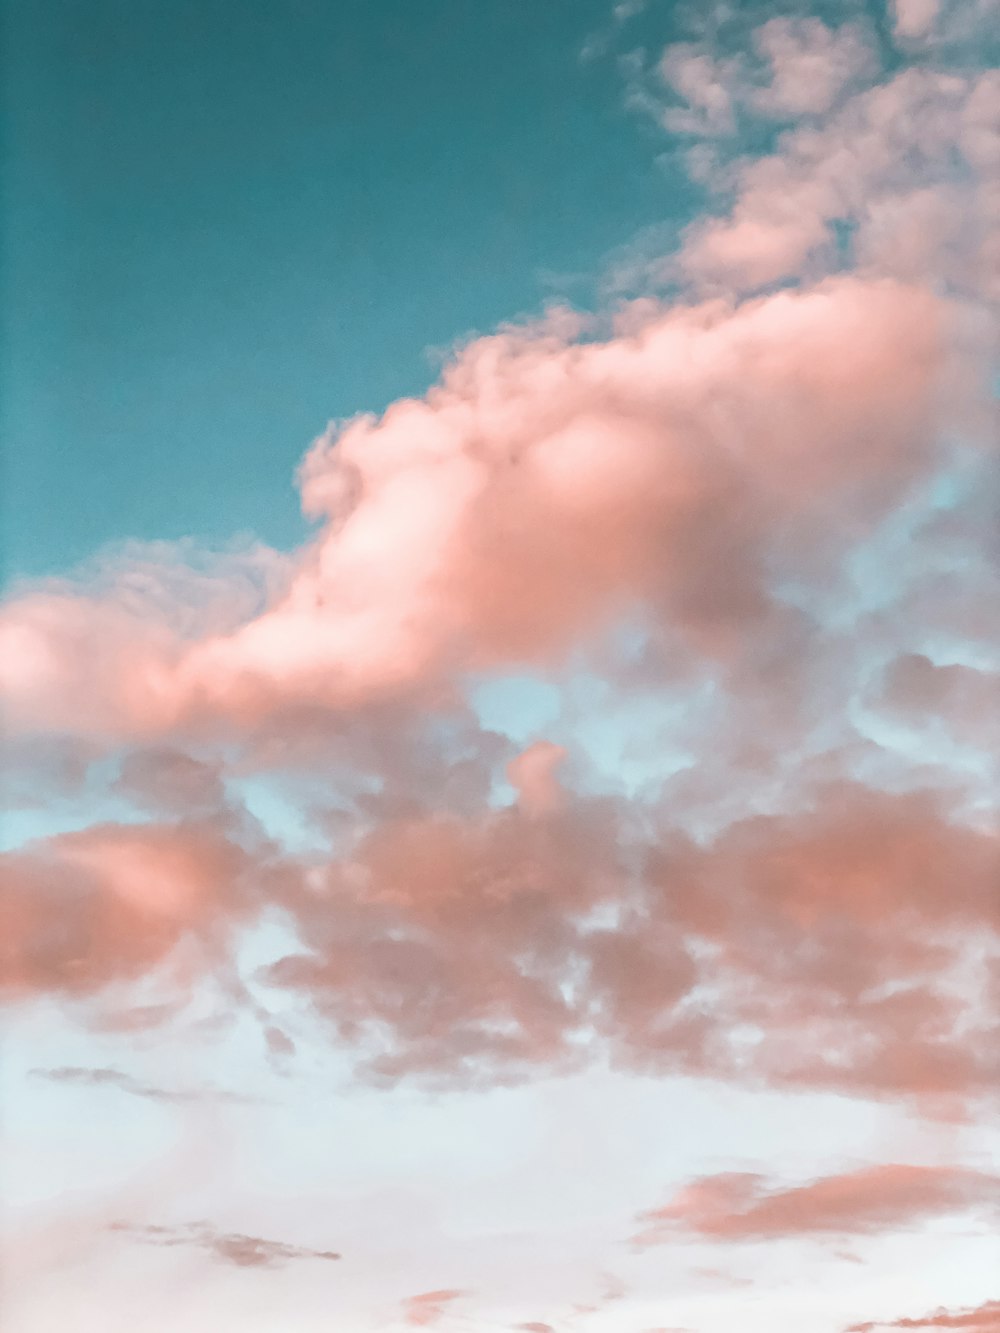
<point>226,1247</point>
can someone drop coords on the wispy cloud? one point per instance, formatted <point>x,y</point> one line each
<point>228,1247</point>
<point>116,1078</point>
<point>741,1206</point>
<point>430,1307</point>
<point>980,1319</point>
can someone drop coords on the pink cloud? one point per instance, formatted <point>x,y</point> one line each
<point>114,901</point>
<point>533,775</point>
<point>984,1318</point>
<point>746,1207</point>
<point>542,491</point>
<point>429,1307</point>
<point>905,168</point>
<point>914,18</point>
<point>810,64</point>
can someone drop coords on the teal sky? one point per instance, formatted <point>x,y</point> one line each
<point>230,222</point>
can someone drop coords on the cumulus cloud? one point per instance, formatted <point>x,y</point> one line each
<point>810,65</point>
<point>822,948</point>
<point>909,163</point>
<point>114,902</point>
<point>914,18</point>
<point>543,490</point>
<point>743,1206</point>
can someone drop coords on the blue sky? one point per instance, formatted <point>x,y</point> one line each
<point>230,223</point>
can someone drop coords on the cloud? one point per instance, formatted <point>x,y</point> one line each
<point>226,1247</point>
<point>168,781</point>
<point>762,487</point>
<point>820,948</point>
<point>852,174</point>
<point>810,65</point>
<point>533,775</point>
<point>949,695</point>
<point>116,1078</point>
<point>429,1307</point>
<point>914,18</point>
<point>114,902</point>
<point>450,936</point>
<point>881,169</point>
<point>984,1318</point>
<point>740,1206</point>
<point>542,491</point>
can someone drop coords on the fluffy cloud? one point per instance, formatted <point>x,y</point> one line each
<point>905,169</point>
<point>914,18</point>
<point>543,490</point>
<point>810,65</point>
<point>116,901</point>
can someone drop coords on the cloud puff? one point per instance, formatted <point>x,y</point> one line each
<point>882,170</point>
<point>740,1206</point>
<point>815,949</point>
<point>810,65</point>
<point>440,943</point>
<point>914,18</point>
<point>114,901</point>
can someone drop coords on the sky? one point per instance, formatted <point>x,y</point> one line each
<point>498,653</point>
